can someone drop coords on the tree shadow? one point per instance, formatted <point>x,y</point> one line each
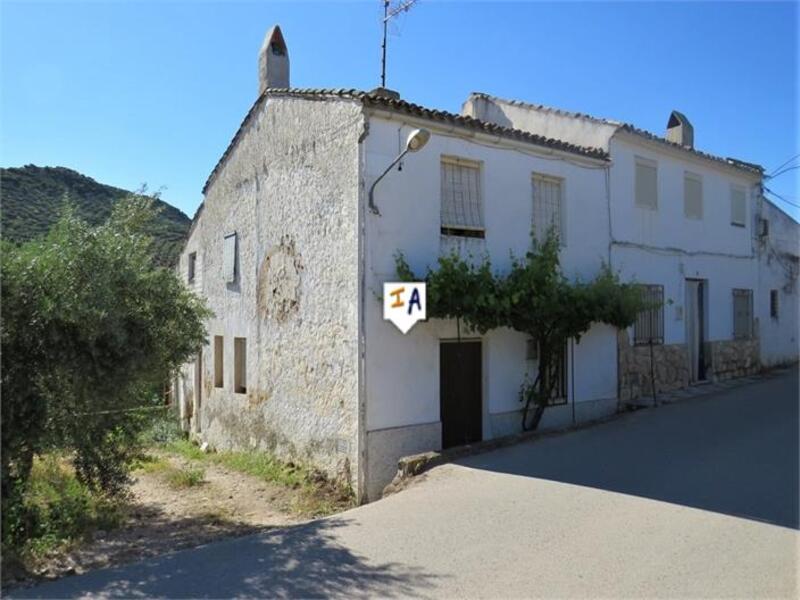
<point>734,452</point>
<point>303,561</point>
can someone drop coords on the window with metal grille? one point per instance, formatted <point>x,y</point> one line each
<point>548,209</point>
<point>692,196</point>
<point>649,325</point>
<point>229,258</point>
<point>462,202</point>
<point>738,207</point>
<point>742,314</point>
<point>560,388</point>
<point>646,183</point>
<point>773,304</point>
<point>192,266</point>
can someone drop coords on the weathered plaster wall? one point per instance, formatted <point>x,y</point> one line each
<point>289,189</point>
<point>778,269</point>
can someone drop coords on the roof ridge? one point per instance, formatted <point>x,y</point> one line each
<point>631,128</point>
<point>369,99</point>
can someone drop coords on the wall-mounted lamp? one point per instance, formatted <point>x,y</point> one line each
<point>415,142</point>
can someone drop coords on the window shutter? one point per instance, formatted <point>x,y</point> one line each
<point>646,184</point>
<point>693,196</point>
<point>462,205</point>
<point>738,207</point>
<point>742,314</point>
<point>229,258</point>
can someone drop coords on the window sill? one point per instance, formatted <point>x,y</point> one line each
<point>463,232</point>
<point>740,225</point>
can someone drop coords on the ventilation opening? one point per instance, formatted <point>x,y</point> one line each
<point>219,357</point>
<point>240,365</point>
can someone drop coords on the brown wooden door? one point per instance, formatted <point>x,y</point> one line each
<point>460,397</point>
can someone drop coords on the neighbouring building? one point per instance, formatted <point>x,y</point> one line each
<point>292,261</point>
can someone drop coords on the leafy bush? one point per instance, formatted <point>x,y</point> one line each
<point>91,329</point>
<point>535,298</point>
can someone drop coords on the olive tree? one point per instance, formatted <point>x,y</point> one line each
<point>91,329</point>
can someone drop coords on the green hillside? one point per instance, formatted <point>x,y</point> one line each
<point>31,198</point>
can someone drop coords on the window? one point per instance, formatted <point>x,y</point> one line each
<point>773,304</point>
<point>649,325</point>
<point>692,196</point>
<point>192,266</point>
<point>229,258</point>
<point>219,361</point>
<point>240,365</point>
<point>559,371</point>
<point>738,207</point>
<point>548,209</point>
<point>646,183</point>
<point>462,204</point>
<point>742,314</point>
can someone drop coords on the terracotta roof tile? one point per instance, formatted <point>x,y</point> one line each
<point>402,106</point>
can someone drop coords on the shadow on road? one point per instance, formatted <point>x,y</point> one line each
<point>734,453</point>
<point>304,561</point>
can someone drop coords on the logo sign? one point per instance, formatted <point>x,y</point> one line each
<point>404,304</point>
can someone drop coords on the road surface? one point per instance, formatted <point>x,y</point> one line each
<point>693,499</point>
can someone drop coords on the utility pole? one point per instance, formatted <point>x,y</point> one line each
<point>388,14</point>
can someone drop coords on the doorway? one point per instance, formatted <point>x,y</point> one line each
<point>460,392</point>
<point>696,317</point>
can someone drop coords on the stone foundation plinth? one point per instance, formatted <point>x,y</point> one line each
<point>670,368</point>
<point>733,358</point>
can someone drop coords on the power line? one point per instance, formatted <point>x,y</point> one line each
<point>786,163</point>
<point>782,172</point>
<point>781,197</point>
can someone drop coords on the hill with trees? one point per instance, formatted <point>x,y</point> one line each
<point>32,198</point>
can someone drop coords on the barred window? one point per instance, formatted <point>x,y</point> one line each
<point>692,196</point>
<point>646,186</point>
<point>548,209</point>
<point>742,314</point>
<point>738,206</point>
<point>462,202</point>
<point>560,371</point>
<point>649,325</point>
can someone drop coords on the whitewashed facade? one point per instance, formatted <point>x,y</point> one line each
<point>292,262</point>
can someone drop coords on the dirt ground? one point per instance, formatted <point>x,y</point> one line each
<point>161,518</point>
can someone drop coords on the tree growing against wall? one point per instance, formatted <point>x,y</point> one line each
<point>534,297</point>
<point>91,328</point>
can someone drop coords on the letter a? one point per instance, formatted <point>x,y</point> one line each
<point>414,300</point>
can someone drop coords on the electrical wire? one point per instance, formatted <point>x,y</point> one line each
<point>796,156</point>
<point>795,204</point>
<point>786,170</point>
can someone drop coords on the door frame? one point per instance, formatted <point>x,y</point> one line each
<point>696,318</point>
<point>485,417</point>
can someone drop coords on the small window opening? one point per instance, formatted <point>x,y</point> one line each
<point>192,266</point>
<point>240,365</point>
<point>219,360</point>
<point>773,304</point>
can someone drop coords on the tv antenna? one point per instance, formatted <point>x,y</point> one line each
<point>389,12</point>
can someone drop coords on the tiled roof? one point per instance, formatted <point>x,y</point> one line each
<point>732,162</point>
<point>378,101</point>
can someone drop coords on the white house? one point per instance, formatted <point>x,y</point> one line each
<point>292,261</point>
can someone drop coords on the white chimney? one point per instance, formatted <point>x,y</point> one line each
<point>680,130</point>
<point>273,61</point>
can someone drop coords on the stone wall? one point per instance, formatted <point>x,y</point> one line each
<point>289,188</point>
<point>670,368</point>
<point>733,358</point>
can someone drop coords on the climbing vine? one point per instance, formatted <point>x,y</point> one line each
<point>534,297</point>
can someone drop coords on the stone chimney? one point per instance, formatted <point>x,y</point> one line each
<point>680,130</point>
<point>273,62</point>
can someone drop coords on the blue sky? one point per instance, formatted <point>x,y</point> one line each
<point>152,92</point>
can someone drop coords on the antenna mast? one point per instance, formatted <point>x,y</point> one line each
<point>388,14</point>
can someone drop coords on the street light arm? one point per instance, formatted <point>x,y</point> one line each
<point>372,206</point>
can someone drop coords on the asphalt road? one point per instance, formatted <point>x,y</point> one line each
<point>694,499</point>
